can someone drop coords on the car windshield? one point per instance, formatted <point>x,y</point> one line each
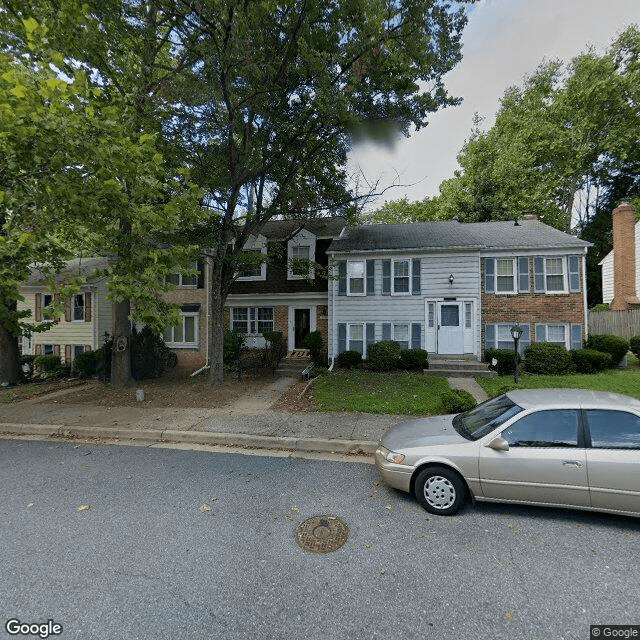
<point>477,422</point>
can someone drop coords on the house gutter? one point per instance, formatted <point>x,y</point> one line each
<point>584,293</point>
<point>333,318</point>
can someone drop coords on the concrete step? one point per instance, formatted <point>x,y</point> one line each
<point>458,366</point>
<point>459,373</point>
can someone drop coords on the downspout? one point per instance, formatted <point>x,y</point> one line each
<point>584,293</point>
<point>333,317</point>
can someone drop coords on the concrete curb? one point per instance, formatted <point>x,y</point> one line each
<point>152,436</point>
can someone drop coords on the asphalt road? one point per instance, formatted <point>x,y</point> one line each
<point>144,561</point>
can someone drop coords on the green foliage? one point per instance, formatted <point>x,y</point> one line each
<point>84,364</point>
<point>414,359</point>
<point>103,358</point>
<point>383,356</point>
<point>49,367</point>
<point>547,358</point>
<point>634,346</point>
<point>504,358</point>
<point>456,401</point>
<point>590,360</point>
<point>234,343</point>
<point>614,345</point>
<point>402,211</point>
<point>318,370</point>
<point>272,336</point>
<point>150,356</point>
<point>600,307</point>
<point>315,344</point>
<point>349,359</point>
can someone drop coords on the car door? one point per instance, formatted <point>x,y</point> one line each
<point>613,459</point>
<point>545,462</point>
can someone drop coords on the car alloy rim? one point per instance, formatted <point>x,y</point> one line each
<point>439,492</point>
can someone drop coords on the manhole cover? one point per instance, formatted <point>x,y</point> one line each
<point>322,534</point>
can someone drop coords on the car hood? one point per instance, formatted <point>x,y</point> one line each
<point>421,433</point>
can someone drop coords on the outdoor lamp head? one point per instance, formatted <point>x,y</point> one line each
<point>451,278</point>
<point>516,332</point>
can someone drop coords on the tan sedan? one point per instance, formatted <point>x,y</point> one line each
<point>551,447</point>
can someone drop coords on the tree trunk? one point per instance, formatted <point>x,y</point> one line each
<point>216,343</point>
<point>121,356</point>
<point>9,357</point>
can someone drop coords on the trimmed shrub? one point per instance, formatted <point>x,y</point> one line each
<point>150,356</point>
<point>84,364</point>
<point>456,401</point>
<point>315,344</point>
<point>384,356</point>
<point>414,359</point>
<point>504,360</point>
<point>634,346</point>
<point>272,336</point>
<point>349,359</point>
<point>548,359</point>
<point>50,367</point>
<point>603,306</point>
<point>232,346</point>
<point>615,345</point>
<point>318,370</point>
<point>590,360</point>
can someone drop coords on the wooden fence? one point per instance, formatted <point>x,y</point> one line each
<point>625,324</point>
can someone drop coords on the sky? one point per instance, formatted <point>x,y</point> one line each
<point>504,41</point>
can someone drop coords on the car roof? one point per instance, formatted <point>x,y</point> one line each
<point>566,398</point>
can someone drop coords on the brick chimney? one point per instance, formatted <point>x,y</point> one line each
<point>624,258</point>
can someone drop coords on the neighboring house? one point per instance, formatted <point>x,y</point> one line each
<point>283,294</point>
<point>88,314</point>
<point>621,266</point>
<point>454,289</point>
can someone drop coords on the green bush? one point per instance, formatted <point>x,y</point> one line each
<point>318,370</point>
<point>384,356</point>
<point>349,359</point>
<point>548,359</point>
<point>456,401</point>
<point>414,359</point>
<point>315,344</point>
<point>601,307</point>
<point>84,364</point>
<point>50,367</point>
<point>615,345</point>
<point>272,336</point>
<point>232,346</point>
<point>634,346</point>
<point>504,360</point>
<point>590,360</point>
<point>150,356</point>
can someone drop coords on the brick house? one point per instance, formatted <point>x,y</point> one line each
<point>456,289</point>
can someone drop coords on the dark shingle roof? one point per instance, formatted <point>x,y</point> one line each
<point>84,267</point>
<point>320,227</point>
<point>528,234</point>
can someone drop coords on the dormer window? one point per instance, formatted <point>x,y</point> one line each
<point>301,252</point>
<point>253,269</point>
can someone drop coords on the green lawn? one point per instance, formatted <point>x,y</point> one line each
<point>394,393</point>
<point>625,381</point>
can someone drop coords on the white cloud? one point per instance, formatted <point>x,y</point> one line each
<point>503,41</point>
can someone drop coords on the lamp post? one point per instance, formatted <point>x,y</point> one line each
<point>516,332</point>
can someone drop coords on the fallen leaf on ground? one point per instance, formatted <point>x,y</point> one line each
<point>84,507</point>
<point>31,504</point>
<point>205,508</point>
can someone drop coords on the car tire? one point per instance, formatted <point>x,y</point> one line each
<point>440,490</point>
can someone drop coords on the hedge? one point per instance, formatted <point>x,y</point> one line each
<point>384,356</point>
<point>615,345</point>
<point>548,358</point>
<point>349,359</point>
<point>504,360</point>
<point>414,359</point>
<point>456,401</point>
<point>590,360</point>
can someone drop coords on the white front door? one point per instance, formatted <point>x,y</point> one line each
<point>450,335</point>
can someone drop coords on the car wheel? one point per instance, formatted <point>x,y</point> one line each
<point>440,490</point>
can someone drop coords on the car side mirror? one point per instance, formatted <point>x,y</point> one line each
<point>499,444</point>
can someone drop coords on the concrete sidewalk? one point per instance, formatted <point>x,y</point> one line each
<point>248,423</point>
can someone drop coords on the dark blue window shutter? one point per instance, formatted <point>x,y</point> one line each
<point>386,331</point>
<point>415,277</point>
<point>525,338</point>
<point>539,273</point>
<point>523,275</point>
<point>371,277</point>
<point>576,336</point>
<point>386,277</point>
<point>574,274</point>
<point>489,273</point>
<point>371,333</point>
<point>342,337</point>
<point>342,278</point>
<point>416,335</point>
<point>541,333</point>
<point>489,336</point>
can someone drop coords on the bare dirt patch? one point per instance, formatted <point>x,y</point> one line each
<point>21,392</point>
<point>297,398</point>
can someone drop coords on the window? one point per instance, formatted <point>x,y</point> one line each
<point>467,315</point>
<point>401,335</point>
<point>47,349</point>
<point>614,429</point>
<point>355,278</point>
<point>431,314</point>
<point>252,320</point>
<point>551,274</point>
<point>184,334</point>
<point>401,276</point>
<point>76,349</point>
<point>557,428</point>
<point>47,299</point>
<point>356,338</point>
<point>504,340</point>
<point>498,336</point>
<point>556,333</point>
<point>505,278</point>
<point>254,271</point>
<point>78,308</point>
<point>300,269</point>
<point>184,280</point>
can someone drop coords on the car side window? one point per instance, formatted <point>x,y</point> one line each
<point>613,429</point>
<point>553,428</point>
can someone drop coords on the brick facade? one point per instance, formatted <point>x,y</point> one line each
<point>624,258</point>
